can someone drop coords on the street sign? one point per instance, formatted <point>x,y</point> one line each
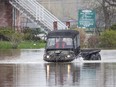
<point>86,19</point>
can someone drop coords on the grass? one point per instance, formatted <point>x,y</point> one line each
<point>23,45</point>
<point>5,45</point>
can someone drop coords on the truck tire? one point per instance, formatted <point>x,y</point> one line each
<point>98,56</point>
<point>95,56</point>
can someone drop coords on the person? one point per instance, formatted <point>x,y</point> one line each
<point>60,43</point>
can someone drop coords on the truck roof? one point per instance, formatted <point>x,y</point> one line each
<point>63,33</point>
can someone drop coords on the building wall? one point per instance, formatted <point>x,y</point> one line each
<point>65,9</point>
<point>5,13</point>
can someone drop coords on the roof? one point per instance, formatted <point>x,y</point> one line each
<point>63,33</point>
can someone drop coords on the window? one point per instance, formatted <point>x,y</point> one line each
<point>77,41</point>
<point>59,43</point>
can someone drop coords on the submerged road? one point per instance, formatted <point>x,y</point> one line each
<point>26,68</point>
<point>36,56</point>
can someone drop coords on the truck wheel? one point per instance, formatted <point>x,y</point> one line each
<point>95,57</point>
<point>98,56</point>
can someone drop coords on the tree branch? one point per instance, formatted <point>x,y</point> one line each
<point>111,2</point>
<point>99,2</point>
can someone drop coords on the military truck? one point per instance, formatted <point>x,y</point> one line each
<point>64,46</point>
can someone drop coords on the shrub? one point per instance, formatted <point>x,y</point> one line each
<point>108,39</point>
<point>6,33</point>
<point>31,34</point>
<point>13,37</point>
<point>82,37</point>
<point>93,41</point>
<point>113,27</point>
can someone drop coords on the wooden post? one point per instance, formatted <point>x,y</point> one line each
<point>55,25</point>
<point>68,24</point>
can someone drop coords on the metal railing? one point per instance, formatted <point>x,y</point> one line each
<point>37,13</point>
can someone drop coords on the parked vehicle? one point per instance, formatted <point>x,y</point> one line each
<point>64,46</point>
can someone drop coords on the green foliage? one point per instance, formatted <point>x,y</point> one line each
<point>113,27</point>
<point>6,32</point>
<point>108,39</point>
<point>31,45</point>
<point>27,34</point>
<point>93,41</point>
<point>23,45</point>
<point>31,34</point>
<point>13,37</point>
<point>5,45</point>
<point>82,36</point>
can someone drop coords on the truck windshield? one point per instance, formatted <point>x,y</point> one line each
<point>56,43</point>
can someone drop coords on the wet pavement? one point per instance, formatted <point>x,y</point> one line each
<point>26,68</point>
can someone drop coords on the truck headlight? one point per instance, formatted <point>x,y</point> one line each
<point>68,56</point>
<point>48,56</point>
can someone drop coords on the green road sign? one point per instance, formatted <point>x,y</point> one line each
<point>86,19</point>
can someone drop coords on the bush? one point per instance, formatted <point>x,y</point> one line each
<point>6,33</point>
<point>31,34</point>
<point>108,39</point>
<point>113,27</point>
<point>82,37</point>
<point>93,41</point>
<point>13,37</point>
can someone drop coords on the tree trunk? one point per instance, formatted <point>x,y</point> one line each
<point>106,15</point>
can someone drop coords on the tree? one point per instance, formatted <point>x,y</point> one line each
<point>111,2</point>
<point>106,10</point>
<point>113,27</point>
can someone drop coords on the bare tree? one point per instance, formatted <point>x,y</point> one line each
<point>106,11</point>
<point>111,2</point>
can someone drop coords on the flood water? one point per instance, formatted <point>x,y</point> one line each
<point>58,75</point>
<point>26,68</point>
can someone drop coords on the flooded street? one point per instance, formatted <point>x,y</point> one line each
<point>26,68</point>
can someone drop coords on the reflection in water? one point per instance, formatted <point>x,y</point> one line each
<point>21,56</point>
<point>89,75</point>
<point>71,74</point>
<point>6,76</point>
<point>86,75</point>
<point>9,53</point>
<point>61,73</point>
<point>58,75</point>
